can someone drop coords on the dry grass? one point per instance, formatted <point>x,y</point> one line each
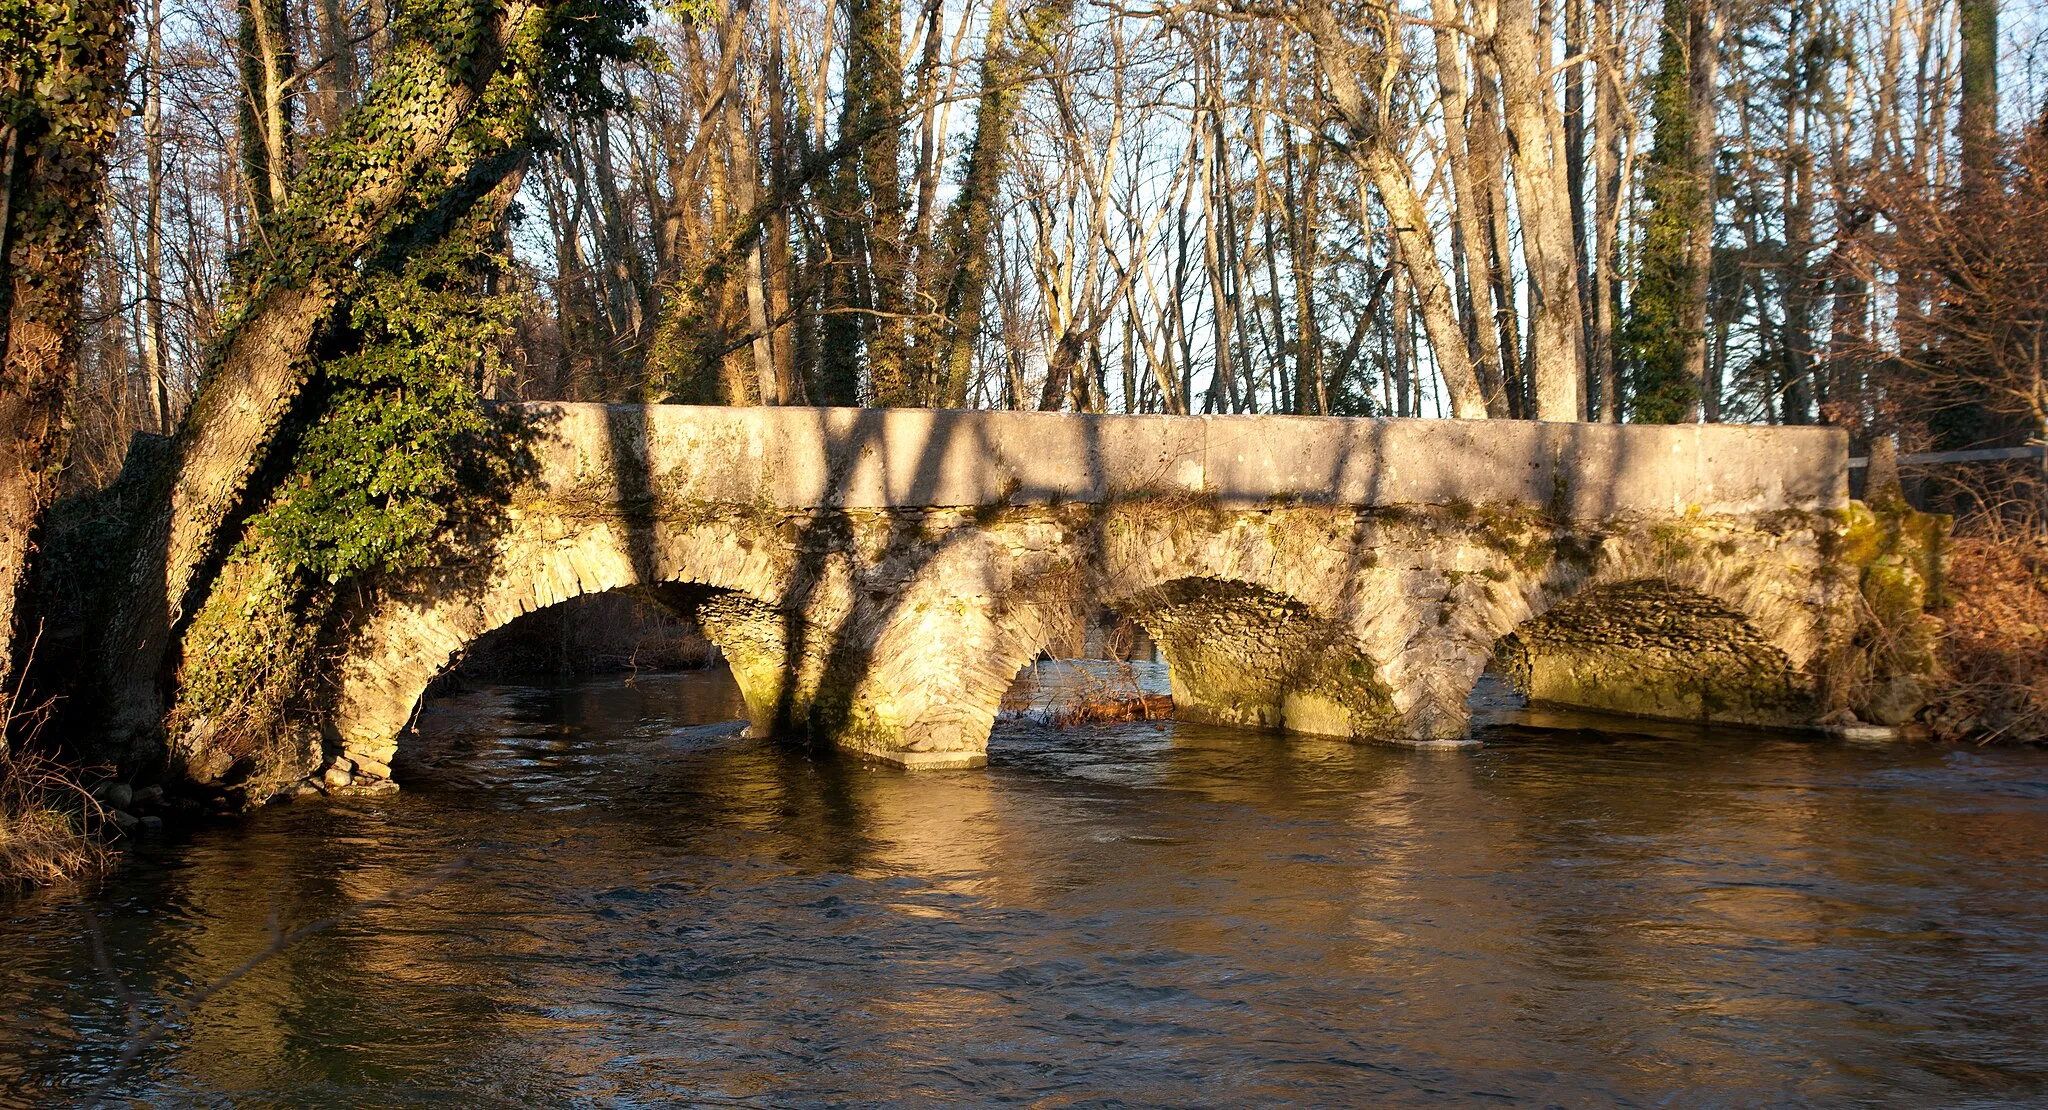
<point>1132,707</point>
<point>50,825</point>
<point>1098,691</point>
<point>1995,650</point>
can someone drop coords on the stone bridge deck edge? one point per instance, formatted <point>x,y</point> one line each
<point>907,458</point>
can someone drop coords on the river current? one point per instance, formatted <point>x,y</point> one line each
<point>595,895</point>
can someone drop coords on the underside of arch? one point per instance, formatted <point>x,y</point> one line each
<point>1648,648</point>
<point>1243,655</point>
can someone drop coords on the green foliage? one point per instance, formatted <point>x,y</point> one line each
<point>399,437</point>
<point>364,185</point>
<point>403,433</point>
<point>247,654</point>
<point>704,13</point>
<point>63,70</point>
<point>400,454</point>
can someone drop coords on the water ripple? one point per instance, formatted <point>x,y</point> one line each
<point>657,910</point>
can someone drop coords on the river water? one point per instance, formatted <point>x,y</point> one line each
<point>585,898</point>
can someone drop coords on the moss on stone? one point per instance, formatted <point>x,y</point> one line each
<point>246,704</point>
<point>1246,656</point>
<point>1647,648</point>
<point>1897,555</point>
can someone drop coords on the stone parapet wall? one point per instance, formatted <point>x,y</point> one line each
<point>916,458</point>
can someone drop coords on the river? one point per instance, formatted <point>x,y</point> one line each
<point>585,897</point>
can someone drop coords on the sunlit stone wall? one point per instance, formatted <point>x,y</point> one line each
<point>878,578</point>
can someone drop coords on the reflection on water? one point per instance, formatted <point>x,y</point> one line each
<point>654,912</point>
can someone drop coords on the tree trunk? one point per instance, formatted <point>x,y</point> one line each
<point>268,65</point>
<point>1608,97</point>
<point>1487,143</point>
<point>1470,247</point>
<point>1575,177</point>
<point>1543,201</point>
<point>1977,23</point>
<point>972,220</point>
<point>1394,180</point>
<point>1410,227</point>
<point>155,345</point>
<point>346,208</point>
<point>777,259</point>
<point>875,108</point>
<point>839,273</point>
<point>1704,77</point>
<point>1222,302</point>
<point>746,176</point>
<point>52,176</point>
<point>1795,276</point>
<point>338,84</point>
<point>1302,166</point>
<point>1666,332</point>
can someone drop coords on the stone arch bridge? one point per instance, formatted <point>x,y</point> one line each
<point>877,578</point>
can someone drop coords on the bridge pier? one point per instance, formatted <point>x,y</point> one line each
<point>1243,655</point>
<point>912,677</point>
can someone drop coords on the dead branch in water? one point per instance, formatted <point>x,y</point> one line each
<point>50,825</point>
<point>1101,691</point>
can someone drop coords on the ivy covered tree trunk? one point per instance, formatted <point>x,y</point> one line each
<point>451,114</point>
<point>838,331</point>
<point>58,95</point>
<point>1977,127</point>
<point>402,466</point>
<point>874,109</point>
<point>1665,336</point>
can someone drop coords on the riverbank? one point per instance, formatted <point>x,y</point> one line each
<point>51,827</point>
<point>1994,651</point>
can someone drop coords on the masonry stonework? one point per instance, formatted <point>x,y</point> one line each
<point>877,579</point>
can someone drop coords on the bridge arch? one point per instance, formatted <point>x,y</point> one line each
<point>1268,616</point>
<point>1653,626</point>
<point>411,630</point>
<point>1650,648</point>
